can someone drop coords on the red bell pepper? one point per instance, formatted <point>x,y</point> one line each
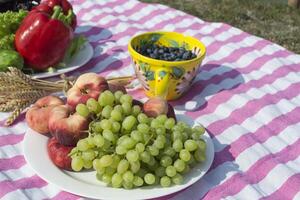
<point>43,39</point>
<point>64,4</point>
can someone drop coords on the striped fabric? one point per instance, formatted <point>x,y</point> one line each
<point>246,94</point>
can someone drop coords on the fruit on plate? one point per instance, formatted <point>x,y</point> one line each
<point>158,106</point>
<point>44,37</point>
<point>37,116</point>
<point>88,85</point>
<point>129,149</point>
<point>59,154</point>
<point>66,126</point>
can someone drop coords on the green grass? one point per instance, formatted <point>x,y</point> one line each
<point>270,19</point>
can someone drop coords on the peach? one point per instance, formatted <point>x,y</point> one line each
<point>88,85</point>
<point>37,116</point>
<point>66,126</point>
<point>155,106</point>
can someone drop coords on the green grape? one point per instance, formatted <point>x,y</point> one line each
<point>135,166</point>
<point>165,181</point>
<point>106,160</point>
<point>136,135</point>
<point>121,150</point>
<point>155,123</point>
<point>190,145</point>
<point>159,144</point>
<point>143,128</point>
<point>138,181</point>
<point>108,134</point>
<point>118,95</point>
<point>185,136</point>
<point>169,123</point>
<point>146,137</point>
<point>116,160</point>
<point>177,179</point>
<point>141,173</point>
<point>145,157</point>
<point>128,143</point>
<point>123,166</point>
<point>140,147</point>
<point>105,124</point>
<point>126,108</point>
<point>90,141</point>
<point>88,164</point>
<point>162,138</point>
<point>121,139</point>
<point>82,145</point>
<point>126,98</point>
<point>186,169</point>
<point>192,161</point>
<point>199,129</point>
<point>132,155</point>
<point>93,105</point>
<point>201,144</point>
<point>106,145</point>
<point>171,171</point>
<point>199,155</point>
<point>96,164</point>
<point>127,185</point>
<point>106,98</point>
<point>149,179</point>
<point>116,115</point>
<point>97,127</point>
<point>118,108</point>
<point>116,180</point>
<point>136,110</point>
<point>153,150</point>
<point>161,130</point>
<point>185,155</point>
<point>128,176</point>
<point>177,145</point>
<point>176,135</point>
<point>169,151</point>
<point>77,163</point>
<point>109,170</point>
<point>88,155</point>
<point>115,127</point>
<point>166,161</point>
<point>160,171</point>
<point>179,165</point>
<point>196,136</point>
<point>162,118</point>
<point>129,122</point>
<point>82,110</point>
<point>106,178</point>
<point>152,162</point>
<point>143,118</point>
<point>106,111</point>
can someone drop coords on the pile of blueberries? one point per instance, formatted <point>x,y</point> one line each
<point>166,53</point>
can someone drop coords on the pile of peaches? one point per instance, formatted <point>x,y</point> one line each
<point>59,120</point>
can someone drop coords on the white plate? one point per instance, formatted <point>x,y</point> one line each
<point>85,183</point>
<point>79,59</point>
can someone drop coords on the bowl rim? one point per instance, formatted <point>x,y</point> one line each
<point>151,60</point>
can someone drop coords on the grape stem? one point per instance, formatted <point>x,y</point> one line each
<point>149,139</point>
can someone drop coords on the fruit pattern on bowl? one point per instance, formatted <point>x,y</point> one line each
<point>168,79</point>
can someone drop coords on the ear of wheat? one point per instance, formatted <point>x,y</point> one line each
<point>18,90</point>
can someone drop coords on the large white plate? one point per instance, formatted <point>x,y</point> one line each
<point>85,183</point>
<point>78,60</point>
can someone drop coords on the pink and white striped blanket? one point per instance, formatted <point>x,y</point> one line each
<point>246,94</point>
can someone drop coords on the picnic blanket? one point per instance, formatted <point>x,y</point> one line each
<point>246,95</point>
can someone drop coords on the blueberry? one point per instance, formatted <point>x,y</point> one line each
<point>149,50</point>
<point>166,49</point>
<point>185,56</point>
<point>161,51</point>
<point>177,59</point>
<point>155,46</point>
<point>181,49</point>
<point>152,55</point>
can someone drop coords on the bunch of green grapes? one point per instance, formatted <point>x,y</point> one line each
<point>128,149</point>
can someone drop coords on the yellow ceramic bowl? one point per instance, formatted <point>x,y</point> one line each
<point>168,79</point>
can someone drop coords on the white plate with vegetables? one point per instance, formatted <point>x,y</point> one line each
<point>87,185</point>
<point>84,54</point>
